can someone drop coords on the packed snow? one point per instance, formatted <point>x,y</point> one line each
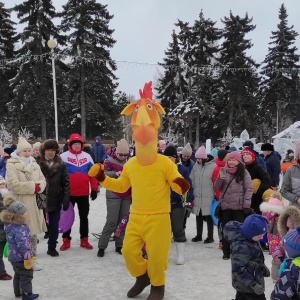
<point>79,274</point>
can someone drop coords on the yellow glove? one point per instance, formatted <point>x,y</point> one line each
<point>97,171</point>
<point>29,262</point>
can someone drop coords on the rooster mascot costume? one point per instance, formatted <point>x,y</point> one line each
<point>151,175</point>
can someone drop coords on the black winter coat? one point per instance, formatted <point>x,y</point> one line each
<point>58,185</point>
<point>256,171</point>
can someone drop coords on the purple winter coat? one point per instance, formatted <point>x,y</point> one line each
<point>238,195</point>
<point>18,237</point>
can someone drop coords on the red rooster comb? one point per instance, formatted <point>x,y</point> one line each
<point>147,91</point>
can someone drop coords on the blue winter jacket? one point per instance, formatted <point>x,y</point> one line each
<point>99,151</point>
<point>273,167</point>
<point>176,199</point>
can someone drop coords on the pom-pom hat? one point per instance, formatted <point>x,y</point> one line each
<point>14,206</point>
<point>22,145</point>
<point>187,150</point>
<point>201,153</point>
<point>291,243</point>
<point>254,225</point>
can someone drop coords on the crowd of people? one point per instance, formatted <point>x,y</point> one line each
<point>252,214</point>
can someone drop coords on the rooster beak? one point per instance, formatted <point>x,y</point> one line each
<point>142,118</point>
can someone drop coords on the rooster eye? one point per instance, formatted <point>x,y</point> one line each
<point>137,108</point>
<point>149,106</point>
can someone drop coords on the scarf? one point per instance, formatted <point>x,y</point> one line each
<point>231,171</point>
<point>26,161</point>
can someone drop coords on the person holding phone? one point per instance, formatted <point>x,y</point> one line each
<point>234,181</point>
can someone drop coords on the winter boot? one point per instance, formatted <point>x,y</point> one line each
<point>84,243</point>
<point>29,296</point>
<point>180,248</point>
<point>156,292</point>
<point>66,244</point>
<point>197,238</point>
<point>140,283</point>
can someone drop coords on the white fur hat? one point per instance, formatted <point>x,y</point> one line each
<point>22,145</point>
<point>122,147</point>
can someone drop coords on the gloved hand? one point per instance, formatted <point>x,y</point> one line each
<point>188,209</point>
<point>37,188</point>
<point>65,206</point>
<point>266,271</point>
<point>93,195</point>
<point>97,171</point>
<point>118,232</point>
<point>258,289</point>
<point>29,262</point>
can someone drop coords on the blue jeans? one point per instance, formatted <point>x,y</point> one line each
<point>53,221</point>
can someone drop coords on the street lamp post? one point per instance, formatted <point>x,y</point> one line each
<point>52,44</point>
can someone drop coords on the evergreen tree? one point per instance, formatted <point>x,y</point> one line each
<point>7,70</point>
<point>280,84</point>
<point>237,101</point>
<point>172,87</point>
<point>32,103</point>
<point>90,78</point>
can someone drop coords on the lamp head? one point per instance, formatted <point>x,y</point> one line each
<point>52,44</point>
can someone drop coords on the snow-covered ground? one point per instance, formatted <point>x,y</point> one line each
<point>79,274</point>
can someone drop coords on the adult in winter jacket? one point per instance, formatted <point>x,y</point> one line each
<point>258,174</point>
<point>247,261</point>
<point>118,204</point>
<point>180,207</point>
<point>272,160</point>
<point>202,183</point>
<point>25,179</point>
<point>99,151</point>
<point>57,189</point>
<point>260,160</point>
<point>235,196</point>
<point>78,164</point>
<point>185,157</point>
<point>290,187</point>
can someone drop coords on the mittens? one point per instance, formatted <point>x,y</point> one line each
<point>29,262</point>
<point>37,188</point>
<point>258,289</point>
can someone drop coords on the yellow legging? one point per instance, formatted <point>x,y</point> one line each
<point>155,231</point>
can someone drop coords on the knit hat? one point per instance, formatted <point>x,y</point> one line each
<point>250,152</point>
<point>8,151</point>
<point>254,225</point>
<point>235,155</point>
<point>14,206</point>
<point>2,180</point>
<point>222,153</point>
<point>267,147</point>
<point>276,199</point>
<point>248,144</point>
<point>297,151</point>
<point>122,147</point>
<point>36,145</point>
<point>214,152</point>
<point>171,151</point>
<point>187,150</point>
<point>201,153</point>
<point>22,145</point>
<point>291,243</point>
<point>232,148</point>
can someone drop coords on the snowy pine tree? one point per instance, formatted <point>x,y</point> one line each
<point>91,86</point>
<point>280,84</point>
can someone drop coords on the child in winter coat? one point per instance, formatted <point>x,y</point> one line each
<point>271,211</point>
<point>288,286</point>
<point>288,220</point>
<point>247,258</point>
<point>3,193</point>
<point>19,251</point>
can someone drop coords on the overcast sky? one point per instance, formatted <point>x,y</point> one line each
<point>143,29</point>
